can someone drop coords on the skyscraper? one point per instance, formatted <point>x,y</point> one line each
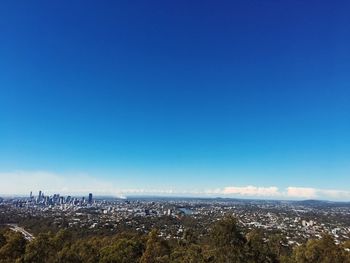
<point>90,198</point>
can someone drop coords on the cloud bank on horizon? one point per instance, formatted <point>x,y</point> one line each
<point>22,182</point>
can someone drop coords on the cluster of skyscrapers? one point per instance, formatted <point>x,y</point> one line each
<point>57,199</point>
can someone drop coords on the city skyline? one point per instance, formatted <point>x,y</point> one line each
<point>244,99</point>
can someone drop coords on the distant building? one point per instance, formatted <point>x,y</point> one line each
<point>39,197</point>
<point>90,198</point>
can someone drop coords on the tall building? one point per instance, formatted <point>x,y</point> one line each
<point>90,198</point>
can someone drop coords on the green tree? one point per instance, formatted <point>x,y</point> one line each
<point>41,249</point>
<point>14,247</point>
<point>257,249</point>
<point>2,240</point>
<point>68,255</point>
<point>62,238</point>
<point>123,251</point>
<point>157,250</point>
<point>190,254</point>
<point>189,236</point>
<point>323,250</point>
<point>81,251</point>
<point>278,245</point>
<point>228,241</point>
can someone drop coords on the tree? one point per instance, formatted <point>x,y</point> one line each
<point>323,250</point>
<point>81,251</point>
<point>123,251</point>
<point>14,247</point>
<point>257,250</point>
<point>2,240</point>
<point>227,240</point>
<point>61,238</point>
<point>278,245</point>
<point>189,237</point>
<point>157,250</point>
<point>41,249</point>
<point>190,254</point>
<point>68,255</point>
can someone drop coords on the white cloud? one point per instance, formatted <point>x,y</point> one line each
<point>335,194</point>
<point>251,191</point>
<point>301,192</point>
<point>307,192</point>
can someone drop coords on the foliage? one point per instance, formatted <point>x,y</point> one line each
<point>323,251</point>
<point>225,242</point>
<point>13,249</point>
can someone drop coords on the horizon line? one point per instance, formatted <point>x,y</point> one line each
<point>186,197</point>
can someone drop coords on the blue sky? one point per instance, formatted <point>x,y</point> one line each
<point>190,97</point>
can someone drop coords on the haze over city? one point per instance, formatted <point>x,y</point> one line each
<point>244,99</point>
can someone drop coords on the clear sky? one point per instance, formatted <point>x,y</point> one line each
<point>234,98</point>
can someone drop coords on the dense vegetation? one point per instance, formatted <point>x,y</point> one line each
<point>226,242</point>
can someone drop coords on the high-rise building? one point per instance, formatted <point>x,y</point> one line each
<point>40,196</point>
<point>90,198</point>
